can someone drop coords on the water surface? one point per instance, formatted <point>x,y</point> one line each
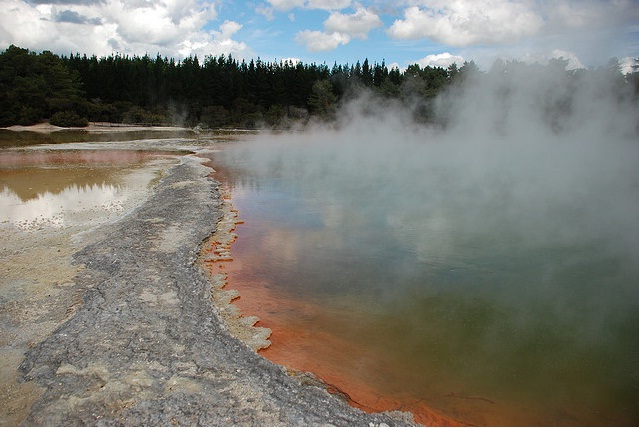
<point>61,188</point>
<point>501,293</point>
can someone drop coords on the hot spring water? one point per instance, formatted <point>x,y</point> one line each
<point>494,285</point>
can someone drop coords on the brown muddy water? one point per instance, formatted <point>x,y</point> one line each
<point>403,300</point>
<point>56,188</point>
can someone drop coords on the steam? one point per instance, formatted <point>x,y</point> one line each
<point>525,163</point>
<point>529,153</point>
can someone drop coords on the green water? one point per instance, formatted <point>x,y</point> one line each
<point>499,294</point>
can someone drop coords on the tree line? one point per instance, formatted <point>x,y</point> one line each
<point>217,92</point>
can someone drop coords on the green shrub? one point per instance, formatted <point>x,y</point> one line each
<point>68,119</point>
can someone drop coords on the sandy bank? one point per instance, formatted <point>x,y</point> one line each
<point>93,127</point>
<point>138,341</point>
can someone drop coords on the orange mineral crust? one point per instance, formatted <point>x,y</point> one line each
<point>297,345</point>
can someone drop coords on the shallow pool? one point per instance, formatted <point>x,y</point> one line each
<point>64,188</point>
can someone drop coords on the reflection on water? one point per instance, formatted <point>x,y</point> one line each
<point>480,297</point>
<point>53,208</point>
<point>62,188</point>
<point>34,183</point>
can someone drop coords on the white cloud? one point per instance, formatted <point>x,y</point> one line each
<point>466,22</point>
<point>316,41</point>
<point>268,12</point>
<point>591,27</point>
<point>591,31</point>
<point>328,4</point>
<point>356,25</point>
<point>569,15</point>
<point>340,28</point>
<point>284,5</point>
<point>171,27</point>
<point>440,60</point>
<point>228,28</point>
<point>150,25</point>
<point>217,42</point>
<point>291,60</point>
<point>287,5</point>
<point>23,25</point>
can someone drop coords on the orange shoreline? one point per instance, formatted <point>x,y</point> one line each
<point>260,302</point>
<point>319,360</point>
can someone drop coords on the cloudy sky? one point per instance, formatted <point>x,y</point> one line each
<point>400,32</point>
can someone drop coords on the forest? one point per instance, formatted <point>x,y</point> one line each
<point>219,92</point>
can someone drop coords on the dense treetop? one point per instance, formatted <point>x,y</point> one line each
<point>216,92</point>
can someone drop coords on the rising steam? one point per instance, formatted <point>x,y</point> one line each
<point>532,153</point>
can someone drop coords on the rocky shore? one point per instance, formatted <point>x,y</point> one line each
<point>145,345</point>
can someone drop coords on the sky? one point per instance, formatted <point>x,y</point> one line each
<point>588,33</point>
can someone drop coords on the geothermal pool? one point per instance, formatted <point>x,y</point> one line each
<point>487,290</point>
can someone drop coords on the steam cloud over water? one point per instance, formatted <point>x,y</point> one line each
<point>524,198</point>
<point>525,153</point>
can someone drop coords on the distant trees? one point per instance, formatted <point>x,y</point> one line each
<point>322,99</point>
<point>37,87</point>
<point>216,92</point>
